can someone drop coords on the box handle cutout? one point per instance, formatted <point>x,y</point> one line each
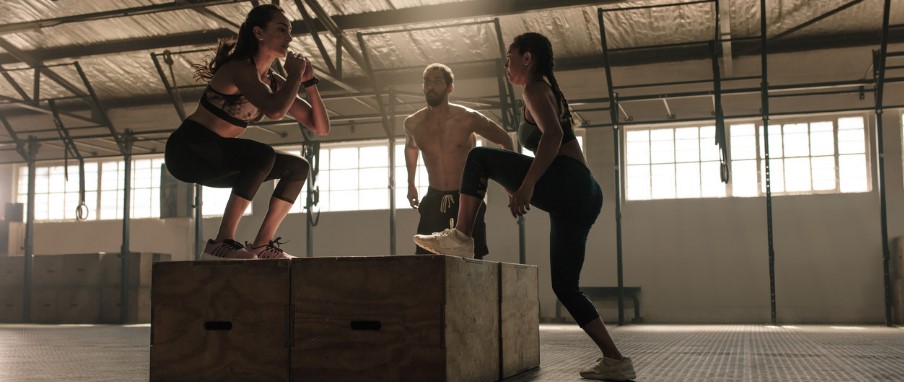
<point>366,325</point>
<point>217,325</point>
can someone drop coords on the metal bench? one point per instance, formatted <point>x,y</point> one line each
<point>602,293</point>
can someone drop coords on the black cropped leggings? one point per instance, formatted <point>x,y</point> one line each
<point>571,196</point>
<point>194,154</point>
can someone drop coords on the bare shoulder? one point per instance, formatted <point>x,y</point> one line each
<point>232,70</point>
<point>467,113</point>
<point>236,67</point>
<point>536,91</point>
<point>415,119</point>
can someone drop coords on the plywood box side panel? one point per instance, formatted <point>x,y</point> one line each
<point>12,271</point>
<point>79,305</point>
<point>82,269</point>
<point>47,271</point>
<point>898,301</point>
<point>11,304</point>
<point>377,316</point>
<point>139,310</point>
<point>897,263</point>
<point>220,321</point>
<point>520,318</point>
<point>472,316</point>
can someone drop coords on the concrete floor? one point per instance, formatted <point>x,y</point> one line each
<point>752,353</point>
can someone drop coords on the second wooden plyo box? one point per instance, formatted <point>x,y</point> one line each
<point>396,318</point>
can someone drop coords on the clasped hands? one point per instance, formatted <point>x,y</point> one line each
<point>299,65</point>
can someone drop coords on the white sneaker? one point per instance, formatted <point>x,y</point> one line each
<point>608,369</point>
<point>448,242</point>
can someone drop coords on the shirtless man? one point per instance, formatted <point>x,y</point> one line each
<point>445,133</point>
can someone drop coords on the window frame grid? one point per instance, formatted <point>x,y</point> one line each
<point>623,136</point>
<point>299,206</point>
<point>95,214</point>
<point>834,120</point>
<point>759,159</point>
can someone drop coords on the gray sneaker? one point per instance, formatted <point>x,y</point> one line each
<point>226,250</point>
<point>448,242</point>
<point>608,369</point>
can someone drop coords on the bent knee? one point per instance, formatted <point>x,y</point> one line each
<point>297,168</point>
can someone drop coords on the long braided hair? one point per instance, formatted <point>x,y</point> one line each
<point>541,50</point>
<point>242,47</point>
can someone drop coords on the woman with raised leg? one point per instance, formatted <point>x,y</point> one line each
<point>556,180</point>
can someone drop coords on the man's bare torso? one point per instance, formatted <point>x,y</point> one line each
<point>444,141</point>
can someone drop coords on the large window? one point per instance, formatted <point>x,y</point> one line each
<point>213,201</point>
<point>355,176</point>
<point>668,163</point>
<point>805,157</point>
<point>818,156</point>
<point>56,197</point>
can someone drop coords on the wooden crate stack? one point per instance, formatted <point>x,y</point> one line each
<point>139,292</point>
<point>66,289</point>
<point>76,288</point>
<point>11,280</point>
<point>897,283</point>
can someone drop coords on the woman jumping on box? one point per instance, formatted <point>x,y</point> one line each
<point>243,89</point>
<point>557,181</point>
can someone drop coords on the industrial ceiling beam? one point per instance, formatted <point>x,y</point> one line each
<point>379,19</point>
<point>111,14</point>
<point>38,64</point>
<point>39,67</point>
<point>815,20</point>
<point>217,18</point>
<point>327,21</point>
<point>724,35</point>
<point>309,22</point>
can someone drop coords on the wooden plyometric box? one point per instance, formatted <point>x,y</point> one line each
<point>44,307</point>
<point>12,271</point>
<point>395,318</point>
<point>66,270</point>
<point>47,270</point>
<point>82,269</point>
<point>519,311</point>
<point>78,305</point>
<point>139,310</point>
<point>897,258</point>
<point>65,305</point>
<point>11,304</point>
<point>220,321</point>
<point>898,301</point>
<point>139,268</point>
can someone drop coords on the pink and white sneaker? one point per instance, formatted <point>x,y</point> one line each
<point>226,250</point>
<point>269,251</point>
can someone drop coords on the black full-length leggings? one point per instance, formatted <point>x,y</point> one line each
<point>571,196</point>
<point>195,154</point>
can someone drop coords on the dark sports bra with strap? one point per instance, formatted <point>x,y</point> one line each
<point>234,108</point>
<point>529,134</point>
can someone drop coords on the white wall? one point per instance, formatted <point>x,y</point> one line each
<point>697,260</point>
<point>146,235</point>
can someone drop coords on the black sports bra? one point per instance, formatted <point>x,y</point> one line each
<point>234,108</point>
<point>529,134</point>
